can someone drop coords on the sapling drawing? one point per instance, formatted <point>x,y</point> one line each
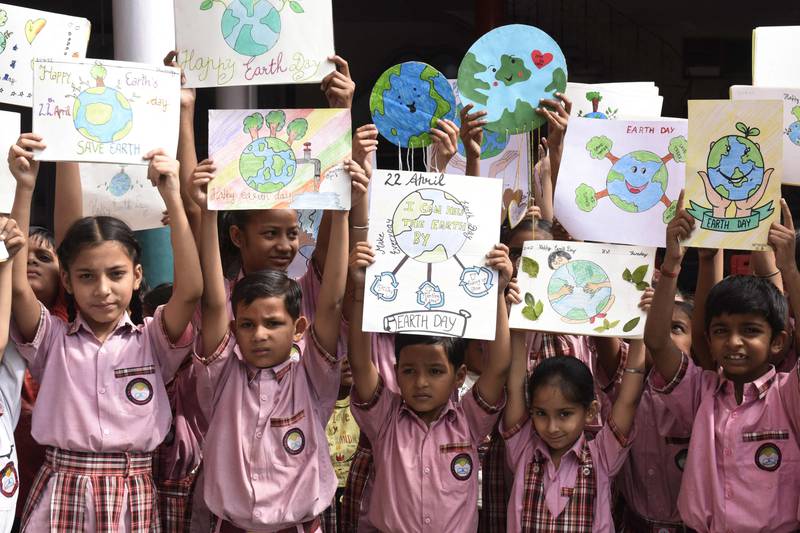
<point>793,130</point>
<point>251,27</point>
<point>6,34</point>
<point>735,175</point>
<point>595,98</point>
<point>101,113</point>
<point>268,163</point>
<point>636,182</point>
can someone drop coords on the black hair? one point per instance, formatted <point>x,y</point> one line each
<point>454,347</point>
<point>229,252</point>
<point>43,234</point>
<point>158,295</point>
<point>686,306</point>
<point>570,374</point>
<point>748,294</point>
<point>268,284</point>
<point>507,232</point>
<point>557,253</point>
<point>92,231</point>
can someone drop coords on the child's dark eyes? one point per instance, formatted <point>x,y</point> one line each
<point>539,413</point>
<point>408,371</point>
<point>44,257</point>
<point>293,235</point>
<point>677,328</point>
<point>85,276</point>
<point>565,414</point>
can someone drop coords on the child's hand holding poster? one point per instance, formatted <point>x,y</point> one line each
<point>582,288</point>
<point>102,111</point>
<point>619,180</point>
<point>430,234</point>
<point>734,171</point>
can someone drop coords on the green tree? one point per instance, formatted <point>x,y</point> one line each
<point>252,124</point>
<point>275,120</point>
<point>594,97</point>
<point>297,129</point>
<point>98,72</point>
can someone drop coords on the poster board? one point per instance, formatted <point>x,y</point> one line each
<point>123,192</point>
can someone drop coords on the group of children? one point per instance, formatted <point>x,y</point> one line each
<point>239,399</point>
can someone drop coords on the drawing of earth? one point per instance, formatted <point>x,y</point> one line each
<point>119,184</point>
<point>579,291</point>
<point>794,132</point>
<point>637,181</point>
<point>596,114</point>
<point>102,114</point>
<point>251,28</point>
<point>408,100</point>
<point>430,226</point>
<point>507,71</point>
<point>267,164</point>
<point>735,167</point>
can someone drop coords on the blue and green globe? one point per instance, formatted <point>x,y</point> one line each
<point>735,167</point>
<point>267,164</point>
<point>793,131</point>
<point>102,114</point>
<point>251,27</point>
<point>637,181</point>
<point>120,184</point>
<point>579,290</point>
<point>408,100</point>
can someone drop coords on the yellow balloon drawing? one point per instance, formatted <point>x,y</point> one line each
<point>32,29</point>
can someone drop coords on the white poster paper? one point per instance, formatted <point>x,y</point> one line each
<point>9,133</point>
<point>431,233</point>
<point>776,56</point>
<point>619,180</point>
<point>102,111</point>
<point>582,288</point>
<point>123,192</point>
<point>615,103</point>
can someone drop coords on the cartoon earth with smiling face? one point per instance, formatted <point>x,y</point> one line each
<point>793,131</point>
<point>735,165</point>
<point>408,100</point>
<point>509,85</point>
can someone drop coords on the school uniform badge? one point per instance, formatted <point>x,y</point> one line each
<point>294,441</point>
<point>9,482</point>
<point>139,391</point>
<point>461,466</point>
<point>768,457</point>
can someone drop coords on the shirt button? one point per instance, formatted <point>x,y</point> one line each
<point>263,397</point>
<point>729,493</point>
<point>255,476</point>
<point>258,435</point>
<point>427,520</point>
<point>728,452</point>
<point>734,414</point>
<point>102,391</point>
<point>256,513</point>
<point>106,432</point>
<point>650,472</point>
<point>427,470</point>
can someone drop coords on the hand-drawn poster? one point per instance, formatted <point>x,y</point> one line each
<point>776,56</point>
<point>791,123</point>
<point>507,71</point>
<point>100,111</point>
<point>619,180</point>
<point>583,288</point>
<point>431,233</point>
<point>733,172</point>
<point>26,34</point>
<point>408,100</point>
<point>279,158</point>
<point>503,156</point>
<point>616,103</point>
<point>254,42</point>
<point>9,133</point>
<point>123,192</point>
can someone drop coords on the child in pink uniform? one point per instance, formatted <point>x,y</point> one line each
<point>425,444</point>
<point>102,408</point>
<point>562,481</point>
<point>742,472</point>
<point>267,465</point>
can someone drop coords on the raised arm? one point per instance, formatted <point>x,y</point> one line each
<point>494,376</point>
<point>359,350</point>
<point>782,238</point>
<point>710,269</point>
<point>188,284</point>
<point>516,409</point>
<point>339,86</point>
<point>542,185</point>
<point>624,409</point>
<point>471,133</point>
<point>334,278</point>
<point>13,240</point>
<point>68,207</point>
<point>25,308</point>
<point>557,120</point>
<point>666,356</point>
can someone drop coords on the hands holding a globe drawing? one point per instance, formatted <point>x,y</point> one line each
<point>744,208</point>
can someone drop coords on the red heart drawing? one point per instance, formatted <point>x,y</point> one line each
<point>540,59</point>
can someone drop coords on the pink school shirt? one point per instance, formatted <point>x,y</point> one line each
<point>743,468</point>
<point>102,397</point>
<point>267,464</point>
<point>426,478</point>
<point>609,450</point>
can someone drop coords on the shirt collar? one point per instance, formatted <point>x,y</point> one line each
<point>449,411</point>
<point>279,371</point>
<point>754,389</point>
<point>124,322</point>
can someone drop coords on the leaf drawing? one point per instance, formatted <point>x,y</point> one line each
<point>530,267</point>
<point>631,324</point>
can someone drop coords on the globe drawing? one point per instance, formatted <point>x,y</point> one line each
<point>119,184</point>
<point>267,164</point>
<point>102,114</point>
<point>251,28</point>
<point>596,114</point>
<point>579,291</point>
<point>637,181</point>
<point>735,167</point>
<point>793,131</point>
<point>408,100</point>
<point>430,225</point>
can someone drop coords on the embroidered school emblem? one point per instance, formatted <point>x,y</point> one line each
<point>9,480</point>
<point>461,466</point>
<point>768,457</point>
<point>294,441</point>
<point>139,391</point>
<point>680,459</point>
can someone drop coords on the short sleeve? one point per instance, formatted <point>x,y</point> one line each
<point>684,388</point>
<point>519,441</point>
<point>789,384</point>
<point>611,447</point>
<point>169,354</point>
<point>323,369</point>
<point>375,414</point>
<point>50,329</point>
<point>481,415</point>
<point>211,372</point>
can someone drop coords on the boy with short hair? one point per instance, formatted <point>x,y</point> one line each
<point>742,472</point>
<point>425,445</point>
<point>267,465</point>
